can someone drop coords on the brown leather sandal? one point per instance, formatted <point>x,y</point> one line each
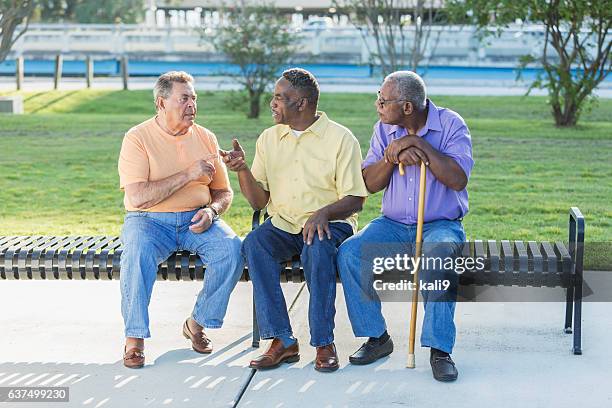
<point>133,358</point>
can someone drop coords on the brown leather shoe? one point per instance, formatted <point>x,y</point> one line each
<point>199,341</point>
<point>133,358</point>
<point>276,355</point>
<point>327,359</point>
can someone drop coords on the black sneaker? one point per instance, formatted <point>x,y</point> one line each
<point>442,366</point>
<point>371,351</point>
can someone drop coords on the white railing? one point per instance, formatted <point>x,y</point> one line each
<point>455,43</point>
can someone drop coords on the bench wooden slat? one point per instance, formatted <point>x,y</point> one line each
<point>51,266</point>
<point>534,254</point>
<point>92,271</point>
<point>492,263</point>
<point>520,253</point>
<point>493,256</point>
<point>4,239</point>
<point>24,253</point>
<point>38,272</point>
<point>565,263</point>
<point>296,274</point>
<point>184,268</point>
<point>62,258</point>
<point>550,257</point>
<point>480,252</point>
<point>106,255</point>
<point>507,255</point>
<point>78,257</point>
<point>12,253</point>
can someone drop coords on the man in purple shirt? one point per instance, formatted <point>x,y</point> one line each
<point>411,129</point>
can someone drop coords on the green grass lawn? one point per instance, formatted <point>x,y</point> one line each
<point>59,163</point>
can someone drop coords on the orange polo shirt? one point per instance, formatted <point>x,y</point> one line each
<point>148,153</point>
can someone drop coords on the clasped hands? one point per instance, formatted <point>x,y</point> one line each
<point>406,150</point>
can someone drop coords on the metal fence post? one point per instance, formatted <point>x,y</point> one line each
<point>58,71</point>
<point>124,72</point>
<point>89,71</point>
<point>19,72</point>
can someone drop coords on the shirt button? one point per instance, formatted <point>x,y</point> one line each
<point>410,178</point>
<point>409,198</point>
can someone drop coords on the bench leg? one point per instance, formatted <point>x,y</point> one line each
<point>255,343</point>
<point>569,303</point>
<point>578,315</point>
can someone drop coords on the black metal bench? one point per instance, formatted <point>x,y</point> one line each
<point>507,263</point>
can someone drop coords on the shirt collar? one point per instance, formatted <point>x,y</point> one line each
<point>433,119</point>
<point>317,128</point>
<point>432,123</point>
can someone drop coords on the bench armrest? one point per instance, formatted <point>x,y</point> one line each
<point>576,239</point>
<point>256,218</point>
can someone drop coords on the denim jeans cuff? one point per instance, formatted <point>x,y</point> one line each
<point>442,347</point>
<point>208,323</point>
<point>137,335</point>
<point>322,343</point>
<point>272,335</point>
<point>370,332</point>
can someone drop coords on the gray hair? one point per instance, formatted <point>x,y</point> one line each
<point>411,88</point>
<point>163,85</point>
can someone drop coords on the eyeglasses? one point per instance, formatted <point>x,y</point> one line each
<point>381,101</point>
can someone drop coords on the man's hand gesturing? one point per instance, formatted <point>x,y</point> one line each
<point>201,168</point>
<point>234,159</point>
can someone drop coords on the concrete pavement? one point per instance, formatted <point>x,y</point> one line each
<point>69,333</point>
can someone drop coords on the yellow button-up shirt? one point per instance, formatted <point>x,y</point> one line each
<point>306,173</point>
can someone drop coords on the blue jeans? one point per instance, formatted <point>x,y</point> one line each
<point>362,301</point>
<point>149,238</point>
<point>264,249</point>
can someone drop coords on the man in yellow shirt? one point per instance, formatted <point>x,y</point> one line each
<point>175,190</point>
<point>307,171</point>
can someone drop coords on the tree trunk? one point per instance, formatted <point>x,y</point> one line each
<point>254,98</point>
<point>567,117</point>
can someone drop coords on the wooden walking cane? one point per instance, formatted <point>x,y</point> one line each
<point>417,253</point>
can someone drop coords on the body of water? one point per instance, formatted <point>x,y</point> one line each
<point>111,67</point>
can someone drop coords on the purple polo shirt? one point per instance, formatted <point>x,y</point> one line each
<point>447,132</point>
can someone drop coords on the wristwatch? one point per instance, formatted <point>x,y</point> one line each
<point>215,213</point>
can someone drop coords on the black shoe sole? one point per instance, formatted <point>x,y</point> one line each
<point>445,379</point>
<point>290,359</point>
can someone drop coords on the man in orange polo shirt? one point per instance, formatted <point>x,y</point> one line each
<point>175,190</point>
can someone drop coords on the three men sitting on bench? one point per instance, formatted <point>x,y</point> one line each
<point>308,172</point>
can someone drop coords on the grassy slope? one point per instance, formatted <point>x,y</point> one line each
<point>59,162</point>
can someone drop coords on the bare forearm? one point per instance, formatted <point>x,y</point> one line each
<point>150,193</point>
<point>252,190</point>
<point>378,175</point>
<point>221,200</point>
<point>344,208</point>
<point>444,168</point>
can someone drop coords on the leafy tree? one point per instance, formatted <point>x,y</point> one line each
<point>109,11</point>
<point>256,38</point>
<point>576,52</point>
<point>57,10</point>
<point>389,22</point>
<point>12,14</point>
<point>92,11</point>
